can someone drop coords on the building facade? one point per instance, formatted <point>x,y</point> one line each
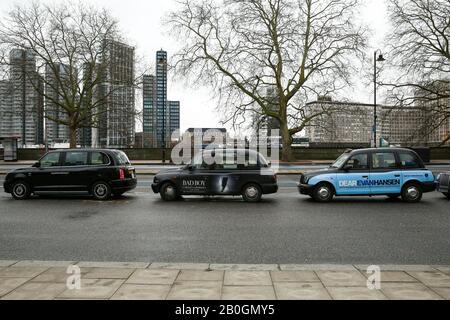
<point>116,119</point>
<point>56,77</point>
<point>161,117</point>
<point>21,104</point>
<point>352,124</point>
<point>340,123</point>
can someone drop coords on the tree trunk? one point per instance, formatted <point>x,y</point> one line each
<point>286,138</point>
<point>73,137</point>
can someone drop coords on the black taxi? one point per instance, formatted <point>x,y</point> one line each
<point>224,172</point>
<point>101,173</point>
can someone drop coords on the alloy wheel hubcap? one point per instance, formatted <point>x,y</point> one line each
<point>324,193</point>
<point>101,190</point>
<point>251,192</point>
<point>413,193</point>
<point>19,190</point>
<point>170,191</point>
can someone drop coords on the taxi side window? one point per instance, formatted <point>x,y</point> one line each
<point>409,160</point>
<point>98,159</point>
<point>384,160</point>
<point>76,159</point>
<point>50,160</point>
<point>359,162</point>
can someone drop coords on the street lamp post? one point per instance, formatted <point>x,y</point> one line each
<point>375,116</point>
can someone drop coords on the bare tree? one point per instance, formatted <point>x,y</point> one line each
<point>242,47</point>
<point>420,50</point>
<point>70,43</point>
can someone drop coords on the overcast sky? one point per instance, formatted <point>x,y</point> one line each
<point>141,22</point>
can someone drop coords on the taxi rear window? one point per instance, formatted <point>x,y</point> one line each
<point>122,159</point>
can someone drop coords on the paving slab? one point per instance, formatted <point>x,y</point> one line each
<point>443,292</point>
<point>57,275</point>
<point>408,291</point>
<point>316,267</point>
<point>9,284</point>
<point>294,276</point>
<point>109,273</point>
<point>355,293</point>
<point>394,276</point>
<point>247,278</point>
<point>180,266</point>
<point>93,289</point>
<point>257,293</point>
<point>37,263</point>
<point>21,272</point>
<point>195,290</point>
<point>7,263</point>
<point>133,265</point>
<point>342,278</point>
<point>443,269</point>
<point>301,291</point>
<point>398,268</point>
<point>197,275</point>
<point>432,278</point>
<point>141,292</point>
<point>36,291</point>
<point>153,276</point>
<point>245,267</point>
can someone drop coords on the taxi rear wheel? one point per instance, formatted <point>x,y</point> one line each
<point>169,192</point>
<point>20,190</point>
<point>323,193</point>
<point>101,191</point>
<point>252,193</point>
<point>412,193</point>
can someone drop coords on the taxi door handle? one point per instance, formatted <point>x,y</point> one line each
<point>397,176</point>
<point>365,177</point>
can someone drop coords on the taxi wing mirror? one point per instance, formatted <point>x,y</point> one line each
<point>36,165</point>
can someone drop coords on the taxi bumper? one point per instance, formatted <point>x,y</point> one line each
<point>305,189</point>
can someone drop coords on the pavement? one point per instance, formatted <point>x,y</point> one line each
<point>48,280</point>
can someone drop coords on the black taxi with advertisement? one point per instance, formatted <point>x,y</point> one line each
<point>224,172</point>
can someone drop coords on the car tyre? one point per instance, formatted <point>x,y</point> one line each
<point>101,191</point>
<point>20,190</point>
<point>169,192</point>
<point>252,193</point>
<point>412,193</point>
<point>324,192</point>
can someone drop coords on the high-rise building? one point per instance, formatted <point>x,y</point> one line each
<point>160,116</point>
<point>5,108</point>
<point>57,77</point>
<point>174,116</point>
<point>24,118</point>
<point>117,93</point>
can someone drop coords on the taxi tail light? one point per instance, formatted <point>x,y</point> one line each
<point>122,174</point>
<point>275,177</point>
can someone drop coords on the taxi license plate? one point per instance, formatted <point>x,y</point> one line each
<point>133,174</point>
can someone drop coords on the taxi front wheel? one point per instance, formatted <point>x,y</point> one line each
<point>412,193</point>
<point>252,193</point>
<point>20,190</point>
<point>323,193</point>
<point>169,192</point>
